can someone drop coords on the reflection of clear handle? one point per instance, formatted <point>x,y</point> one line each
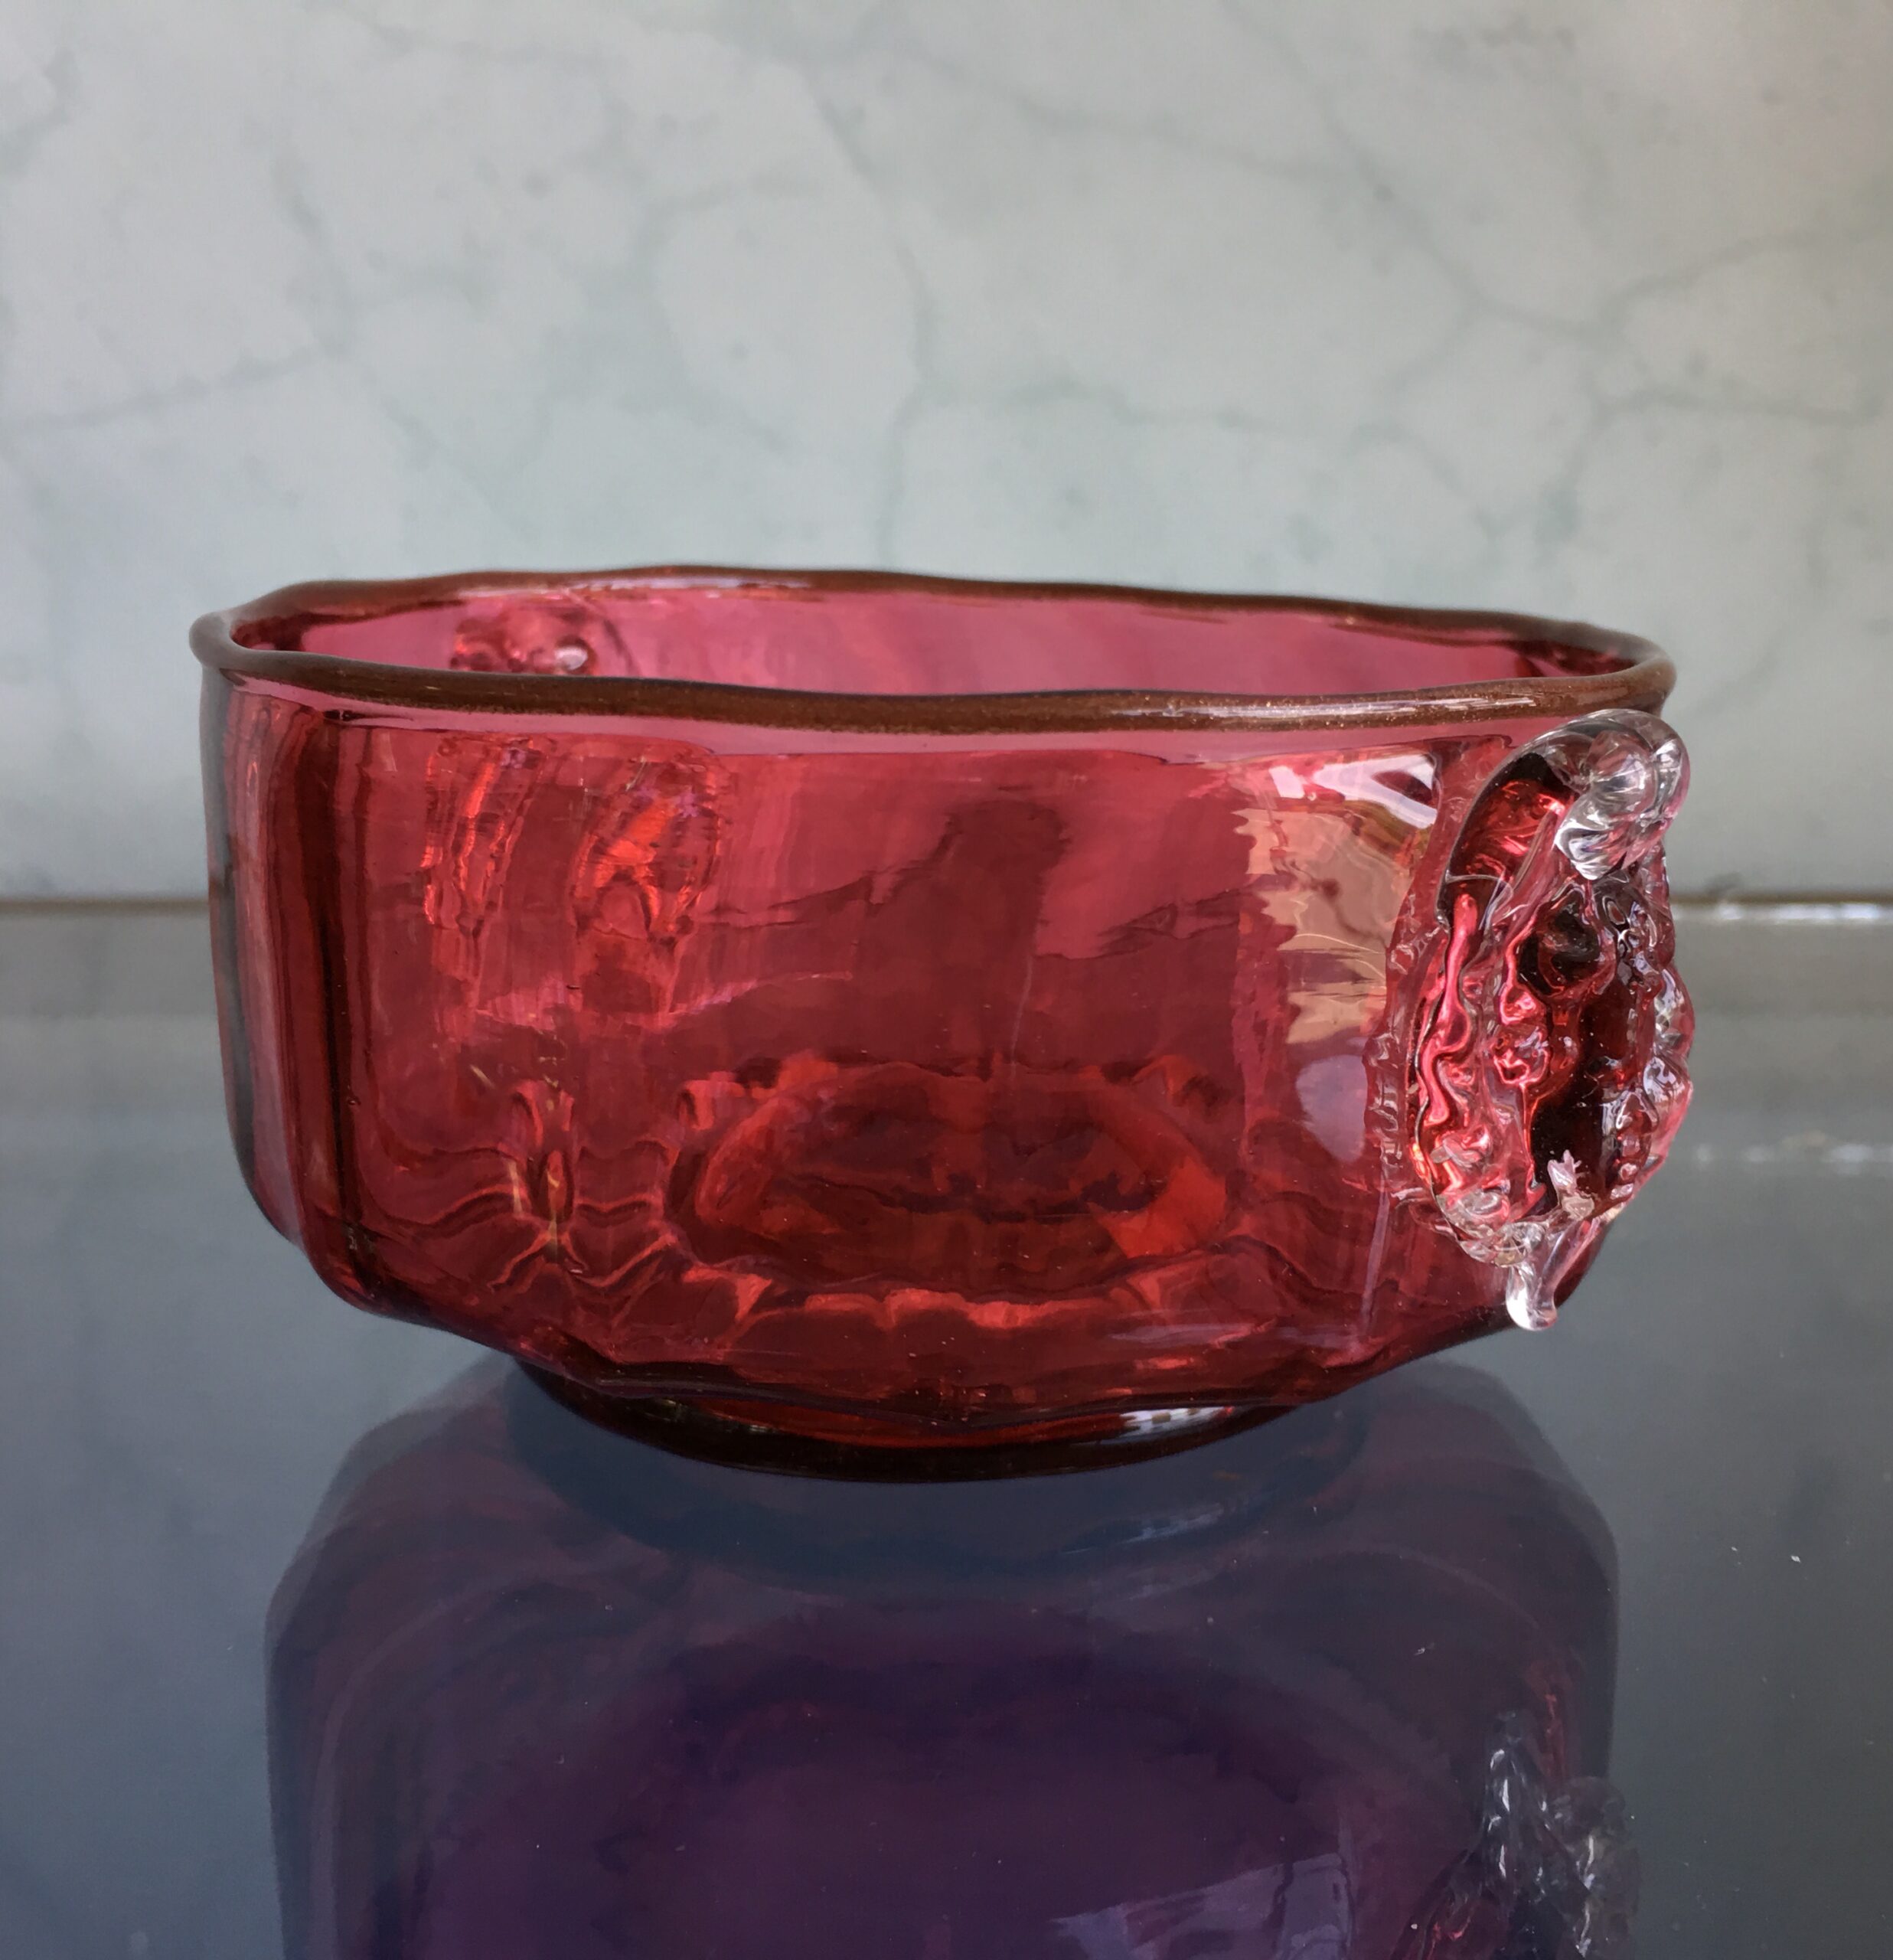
<point>1547,1078</point>
<point>1564,1848</point>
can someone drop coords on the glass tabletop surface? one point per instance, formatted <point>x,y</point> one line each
<point>325,1635</point>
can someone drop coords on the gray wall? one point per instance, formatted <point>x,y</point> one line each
<point>1580,308</point>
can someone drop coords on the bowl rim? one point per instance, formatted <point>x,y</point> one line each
<point>1642,680</point>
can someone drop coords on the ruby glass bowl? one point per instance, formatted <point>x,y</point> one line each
<point>836,1018</point>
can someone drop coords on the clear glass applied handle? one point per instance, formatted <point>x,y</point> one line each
<point>1547,1078</point>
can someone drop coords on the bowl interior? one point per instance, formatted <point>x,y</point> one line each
<point>835,634</point>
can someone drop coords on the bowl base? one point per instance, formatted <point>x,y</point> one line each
<point>762,1436</point>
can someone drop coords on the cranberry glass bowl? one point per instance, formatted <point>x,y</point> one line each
<point>844,1013</point>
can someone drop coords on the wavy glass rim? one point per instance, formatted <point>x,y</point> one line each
<point>1643,680</point>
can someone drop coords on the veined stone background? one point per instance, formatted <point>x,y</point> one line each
<point>1579,309</point>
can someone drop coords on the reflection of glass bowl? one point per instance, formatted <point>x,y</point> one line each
<point>918,1015</point>
<point>1337,1689</point>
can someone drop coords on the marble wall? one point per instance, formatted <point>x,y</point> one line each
<point>1576,308</point>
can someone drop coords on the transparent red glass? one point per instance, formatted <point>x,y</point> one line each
<point>909,1014</point>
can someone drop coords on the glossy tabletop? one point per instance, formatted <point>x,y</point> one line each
<point>322,1623</point>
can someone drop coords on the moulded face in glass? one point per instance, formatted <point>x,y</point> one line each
<point>839,1011</point>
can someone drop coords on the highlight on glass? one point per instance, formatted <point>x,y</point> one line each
<point>832,1017</point>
